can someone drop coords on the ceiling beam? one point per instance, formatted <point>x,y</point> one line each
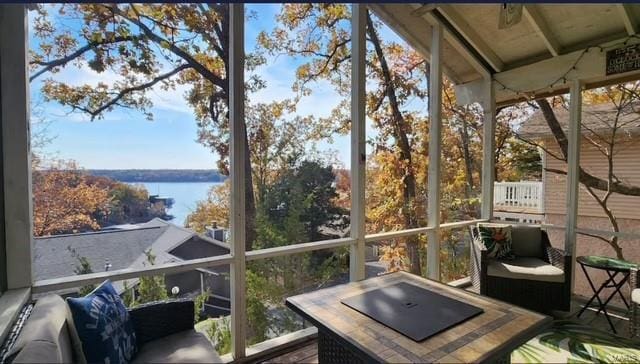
<point>426,8</point>
<point>466,31</point>
<point>537,77</point>
<point>630,24</point>
<point>541,27</point>
<point>533,80</point>
<point>460,47</point>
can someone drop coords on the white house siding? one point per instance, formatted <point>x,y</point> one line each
<point>626,167</point>
<point>591,215</point>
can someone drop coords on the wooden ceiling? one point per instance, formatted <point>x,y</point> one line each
<point>548,44</point>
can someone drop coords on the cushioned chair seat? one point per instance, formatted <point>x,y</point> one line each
<point>635,295</point>
<point>533,269</point>
<point>568,342</point>
<point>183,347</point>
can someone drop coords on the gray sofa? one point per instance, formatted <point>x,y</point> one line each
<point>164,333</point>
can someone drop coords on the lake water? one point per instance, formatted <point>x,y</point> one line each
<point>185,195</point>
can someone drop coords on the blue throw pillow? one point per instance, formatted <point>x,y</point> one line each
<point>103,325</point>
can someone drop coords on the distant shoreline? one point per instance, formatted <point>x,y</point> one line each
<point>159,175</point>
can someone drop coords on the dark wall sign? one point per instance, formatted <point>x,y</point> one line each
<point>623,59</point>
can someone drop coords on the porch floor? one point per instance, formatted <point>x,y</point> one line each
<point>307,352</point>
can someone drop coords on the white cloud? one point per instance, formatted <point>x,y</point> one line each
<point>172,99</point>
<point>279,73</point>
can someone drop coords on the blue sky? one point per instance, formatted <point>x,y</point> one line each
<point>125,139</point>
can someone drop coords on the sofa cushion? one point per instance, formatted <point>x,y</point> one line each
<point>39,351</point>
<point>183,347</point>
<point>47,326</point>
<point>527,241</point>
<point>103,325</point>
<point>532,269</point>
<point>76,343</point>
<point>496,239</point>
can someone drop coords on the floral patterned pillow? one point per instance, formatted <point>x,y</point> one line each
<point>497,240</point>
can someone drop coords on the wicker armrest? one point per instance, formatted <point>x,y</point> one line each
<point>158,319</point>
<point>478,246</point>
<point>479,261</point>
<point>554,256</point>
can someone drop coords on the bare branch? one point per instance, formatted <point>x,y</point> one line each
<point>589,180</point>
<point>124,92</point>
<point>595,236</point>
<point>534,144</point>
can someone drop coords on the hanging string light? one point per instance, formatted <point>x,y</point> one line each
<point>564,77</point>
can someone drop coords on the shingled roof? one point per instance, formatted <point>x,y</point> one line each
<point>597,118</point>
<point>124,248</point>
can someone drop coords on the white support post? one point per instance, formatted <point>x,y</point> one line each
<point>435,149</point>
<point>543,195</point>
<point>16,154</point>
<point>358,147</point>
<point>573,172</point>
<point>237,174</point>
<point>488,149</point>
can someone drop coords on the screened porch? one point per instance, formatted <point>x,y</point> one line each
<point>495,59</point>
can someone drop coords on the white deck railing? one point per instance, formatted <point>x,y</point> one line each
<point>519,196</point>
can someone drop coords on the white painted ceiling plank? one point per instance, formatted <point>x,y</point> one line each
<point>542,28</point>
<point>471,36</point>
<point>454,42</point>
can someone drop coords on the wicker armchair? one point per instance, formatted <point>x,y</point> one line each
<point>530,291</point>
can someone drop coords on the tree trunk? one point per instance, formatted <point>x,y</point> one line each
<point>586,179</point>
<point>402,141</point>
<point>466,154</point>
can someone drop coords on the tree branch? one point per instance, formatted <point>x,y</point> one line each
<point>594,182</point>
<point>48,66</point>
<point>124,92</point>
<point>206,73</point>
<point>585,178</point>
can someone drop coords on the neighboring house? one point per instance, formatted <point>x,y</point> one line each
<point>550,198</point>
<point>626,165</point>
<point>124,246</point>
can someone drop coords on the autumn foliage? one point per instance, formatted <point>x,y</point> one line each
<point>64,202</point>
<point>68,200</point>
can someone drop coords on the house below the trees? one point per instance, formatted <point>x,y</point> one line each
<point>125,246</point>
<point>597,127</point>
<point>545,201</point>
